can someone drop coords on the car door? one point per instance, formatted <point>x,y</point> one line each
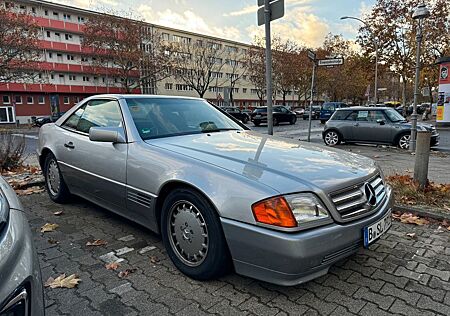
<point>95,170</point>
<point>371,126</point>
<point>284,114</point>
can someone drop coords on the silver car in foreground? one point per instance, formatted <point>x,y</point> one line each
<point>20,277</point>
<point>220,195</point>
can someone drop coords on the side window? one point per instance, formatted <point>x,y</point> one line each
<point>375,115</point>
<point>362,116</point>
<point>340,115</point>
<point>72,121</point>
<point>352,117</point>
<point>284,110</point>
<point>100,113</point>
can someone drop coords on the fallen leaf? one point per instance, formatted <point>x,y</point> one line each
<point>58,213</point>
<point>126,272</point>
<point>112,266</point>
<point>409,218</point>
<point>97,242</point>
<point>70,282</point>
<point>49,227</point>
<point>411,235</point>
<point>154,259</point>
<point>52,241</point>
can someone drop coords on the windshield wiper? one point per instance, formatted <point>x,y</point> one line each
<point>214,130</point>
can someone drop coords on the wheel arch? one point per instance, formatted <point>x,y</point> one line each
<point>400,134</point>
<point>334,129</point>
<point>44,153</point>
<point>170,186</point>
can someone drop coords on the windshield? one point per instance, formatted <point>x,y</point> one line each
<point>155,118</point>
<point>260,110</point>
<point>394,116</point>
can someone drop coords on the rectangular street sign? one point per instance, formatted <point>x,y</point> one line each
<point>311,55</point>
<point>331,62</point>
<point>276,11</point>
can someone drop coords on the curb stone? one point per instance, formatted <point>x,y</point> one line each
<point>423,211</point>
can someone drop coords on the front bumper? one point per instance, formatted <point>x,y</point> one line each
<point>294,258</point>
<point>20,277</point>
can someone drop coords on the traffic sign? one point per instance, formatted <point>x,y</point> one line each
<point>276,11</point>
<point>331,62</point>
<point>311,55</point>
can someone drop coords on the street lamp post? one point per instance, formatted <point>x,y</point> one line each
<point>375,93</point>
<point>420,13</point>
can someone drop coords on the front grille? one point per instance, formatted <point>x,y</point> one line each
<point>351,203</point>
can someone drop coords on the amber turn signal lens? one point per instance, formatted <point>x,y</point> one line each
<point>274,211</point>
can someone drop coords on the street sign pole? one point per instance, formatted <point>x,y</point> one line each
<point>268,67</point>
<point>312,100</point>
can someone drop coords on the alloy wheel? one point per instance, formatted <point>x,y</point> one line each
<point>188,233</point>
<point>403,142</point>
<point>331,138</point>
<point>53,178</point>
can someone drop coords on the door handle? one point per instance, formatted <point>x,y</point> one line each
<point>69,145</point>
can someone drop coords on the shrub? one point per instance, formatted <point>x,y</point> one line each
<point>11,150</point>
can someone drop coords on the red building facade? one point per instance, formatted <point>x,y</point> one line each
<point>64,74</point>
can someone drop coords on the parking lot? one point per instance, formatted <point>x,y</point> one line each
<point>397,275</point>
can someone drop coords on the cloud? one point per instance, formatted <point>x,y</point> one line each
<point>299,25</point>
<point>253,8</point>
<point>187,21</point>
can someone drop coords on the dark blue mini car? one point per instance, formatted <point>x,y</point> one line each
<point>328,109</point>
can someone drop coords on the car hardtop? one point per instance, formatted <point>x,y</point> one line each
<point>364,108</point>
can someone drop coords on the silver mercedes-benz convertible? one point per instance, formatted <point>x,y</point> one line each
<point>220,195</point>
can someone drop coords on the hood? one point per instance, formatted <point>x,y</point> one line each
<point>283,164</point>
<point>420,126</point>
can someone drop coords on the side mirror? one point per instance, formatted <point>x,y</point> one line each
<point>107,134</point>
<point>381,122</point>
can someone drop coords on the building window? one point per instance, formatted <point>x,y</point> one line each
<point>70,57</point>
<point>72,77</point>
<point>50,55</point>
<point>169,86</point>
<point>33,9</point>
<point>66,100</point>
<point>244,90</point>
<point>61,76</point>
<point>49,34</point>
<point>41,99</point>
<point>6,114</point>
<point>80,19</point>
<point>6,99</point>
<point>52,76</point>
<point>84,58</point>
<point>166,36</point>
<point>55,14</point>
<point>18,99</point>
<point>66,16</point>
<point>77,99</point>
<point>68,37</point>
<point>59,55</point>
<point>30,99</point>
<point>85,78</point>
<point>46,12</point>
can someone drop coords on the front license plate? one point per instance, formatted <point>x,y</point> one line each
<point>377,229</point>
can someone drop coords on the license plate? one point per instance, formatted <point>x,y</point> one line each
<point>377,229</point>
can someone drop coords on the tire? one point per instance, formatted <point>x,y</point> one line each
<point>186,217</point>
<point>403,141</point>
<point>54,182</point>
<point>293,120</point>
<point>332,138</point>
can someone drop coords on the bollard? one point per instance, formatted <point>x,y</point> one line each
<point>422,157</point>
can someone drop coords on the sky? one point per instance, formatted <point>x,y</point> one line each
<point>305,21</point>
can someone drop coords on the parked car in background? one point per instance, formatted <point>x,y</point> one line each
<point>315,112</point>
<point>400,109</point>
<point>380,125</point>
<point>39,121</point>
<point>299,112</point>
<point>328,109</point>
<point>237,114</point>
<point>280,115</point>
<point>20,277</point>
<point>219,194</point>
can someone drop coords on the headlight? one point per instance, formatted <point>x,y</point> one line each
<point>4,210</point>
<point>295,210</point>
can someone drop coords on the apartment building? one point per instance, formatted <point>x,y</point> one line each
<point>66,75</point>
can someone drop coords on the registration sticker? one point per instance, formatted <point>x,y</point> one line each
<point>377,229</point>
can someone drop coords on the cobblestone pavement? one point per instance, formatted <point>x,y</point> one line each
<point>397,275</point>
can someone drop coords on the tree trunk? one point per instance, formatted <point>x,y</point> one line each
<point>284,98</point>
<point>405,110</point>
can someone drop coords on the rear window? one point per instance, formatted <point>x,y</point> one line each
<point>340,115</point>
<point>329,107</point>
